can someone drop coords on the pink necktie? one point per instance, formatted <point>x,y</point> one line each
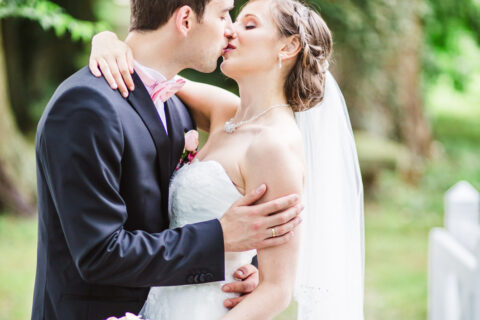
<point>160,89</point>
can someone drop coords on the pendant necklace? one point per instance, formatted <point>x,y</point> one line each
<point>231,126</point>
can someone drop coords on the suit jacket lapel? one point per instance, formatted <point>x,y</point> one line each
<point>143,104</point>
<point>176,132</point>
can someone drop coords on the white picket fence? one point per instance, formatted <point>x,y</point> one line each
<point>454,258</point>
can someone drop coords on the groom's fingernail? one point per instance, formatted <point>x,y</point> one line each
<point>228,303</point>
<point>239,273</point>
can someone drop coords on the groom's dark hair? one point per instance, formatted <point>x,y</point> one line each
<point>147,15</point>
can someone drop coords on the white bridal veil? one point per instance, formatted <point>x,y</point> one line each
<point>330,279</point>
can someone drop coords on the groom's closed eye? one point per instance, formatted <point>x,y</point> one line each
<point>226,17</point>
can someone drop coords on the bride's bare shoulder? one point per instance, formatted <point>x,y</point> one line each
<point>277,144</point>
<point>275,157</point>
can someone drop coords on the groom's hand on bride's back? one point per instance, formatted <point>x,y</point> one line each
<point>248,226</point>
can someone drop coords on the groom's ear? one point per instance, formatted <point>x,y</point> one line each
<point>291,47</point>
<point>183,19</point>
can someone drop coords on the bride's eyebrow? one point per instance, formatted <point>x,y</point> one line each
<point>248,15</point>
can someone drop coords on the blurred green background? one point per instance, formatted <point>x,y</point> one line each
<point>410,73</point>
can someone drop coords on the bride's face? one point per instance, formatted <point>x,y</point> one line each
<point>257,43</point>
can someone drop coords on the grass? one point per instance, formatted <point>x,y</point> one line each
<point>17,270</point>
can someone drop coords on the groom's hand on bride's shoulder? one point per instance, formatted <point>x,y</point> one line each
<point>247,276</point>
<point>247,226</point>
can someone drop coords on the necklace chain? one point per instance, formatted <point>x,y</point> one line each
<point>231,126</point>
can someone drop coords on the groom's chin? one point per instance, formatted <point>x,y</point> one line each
<point>207,67</point>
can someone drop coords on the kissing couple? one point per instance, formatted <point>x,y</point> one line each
<point>124,228</point>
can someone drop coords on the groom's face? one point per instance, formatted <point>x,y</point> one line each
<point>210,37</point>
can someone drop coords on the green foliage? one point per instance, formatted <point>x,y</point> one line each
<point>50,16</point>
<point>368,27</point>
<point>447,22</point>
<point>376,153</point>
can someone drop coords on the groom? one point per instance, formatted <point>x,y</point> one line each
<point>104,165</point>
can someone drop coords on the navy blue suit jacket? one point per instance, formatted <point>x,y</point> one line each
<point>103,168</point>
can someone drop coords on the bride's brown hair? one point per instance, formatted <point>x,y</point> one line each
<point>305,84</point>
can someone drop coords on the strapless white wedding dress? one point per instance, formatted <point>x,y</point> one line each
<point>199,191</point>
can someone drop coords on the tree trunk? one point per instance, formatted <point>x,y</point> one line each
<point>17,160</point>
<point>382,84</point>
<point>414,128</point>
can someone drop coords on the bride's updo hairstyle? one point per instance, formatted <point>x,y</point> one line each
<point>305,84</point>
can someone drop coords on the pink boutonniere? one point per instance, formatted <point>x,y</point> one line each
<point>190,150</point>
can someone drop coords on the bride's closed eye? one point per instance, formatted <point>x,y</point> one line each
<point>249,22</point>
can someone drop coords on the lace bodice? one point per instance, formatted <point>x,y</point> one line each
<point>199,191</point>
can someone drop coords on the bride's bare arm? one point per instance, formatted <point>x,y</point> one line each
<point>278,164</point>
<point>210,105</point>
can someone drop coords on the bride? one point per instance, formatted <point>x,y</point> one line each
<point>289,129</point>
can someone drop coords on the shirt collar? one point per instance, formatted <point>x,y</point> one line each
<point>148,76</point>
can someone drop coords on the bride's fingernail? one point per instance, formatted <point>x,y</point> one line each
<point>239,273</point>
<point>226,288</point>
<point>228,303</point>
<point>260,189</point>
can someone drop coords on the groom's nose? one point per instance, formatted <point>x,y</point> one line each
<point>230,32</point>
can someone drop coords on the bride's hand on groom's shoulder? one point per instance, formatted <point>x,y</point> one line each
<point>248,226</point>
<point>113,59</point>
<point>247,276</point>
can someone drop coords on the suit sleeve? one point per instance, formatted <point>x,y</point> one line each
<point>255,261</point>
<point>80,150</point>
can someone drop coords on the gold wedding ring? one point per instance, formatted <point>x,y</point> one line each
<point>274,234</point>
